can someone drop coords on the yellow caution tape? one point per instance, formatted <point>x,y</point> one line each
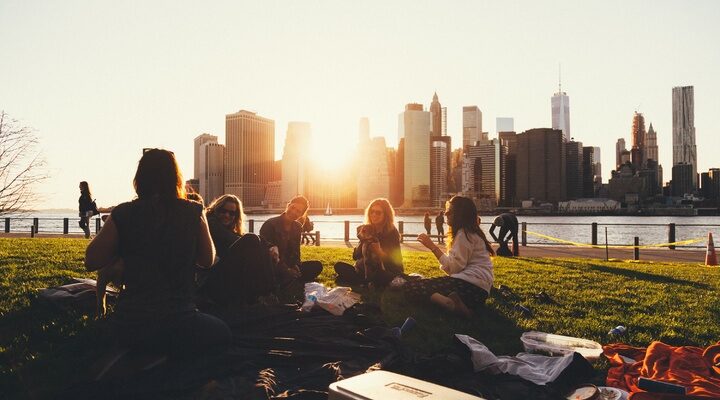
<point>619,246</point>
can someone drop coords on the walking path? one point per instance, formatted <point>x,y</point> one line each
<point>689,255</point>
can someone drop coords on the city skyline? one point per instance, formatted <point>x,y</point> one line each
<point>123,77</point>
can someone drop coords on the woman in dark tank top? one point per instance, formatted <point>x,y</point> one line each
<point>159,238</point>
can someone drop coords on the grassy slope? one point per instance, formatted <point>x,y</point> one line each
<point>675,303</point>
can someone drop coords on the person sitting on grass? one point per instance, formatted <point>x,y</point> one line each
<point>284,231</point>
<point>244,271</point>
<point>381,216</point>
<point>159,238</point>
<point>467,263</point>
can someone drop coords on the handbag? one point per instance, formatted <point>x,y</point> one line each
<point>94,208</point>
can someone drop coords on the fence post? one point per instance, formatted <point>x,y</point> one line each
<point>524,234</point>
<point>36,224</point>
<point>7,225</point>
<point>97,225</point>
<point>66,226</point>
<point>347,231</point>
<point>636,249</point>
<point>32,231</point>
<point>400,229</point>
<point>594,233</point>
<point>251,225</point>
<point>317,238</point>
<point>671,235</point>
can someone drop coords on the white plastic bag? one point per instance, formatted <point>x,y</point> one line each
<point>335,301</point>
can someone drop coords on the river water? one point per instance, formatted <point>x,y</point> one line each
<point>620,230</point>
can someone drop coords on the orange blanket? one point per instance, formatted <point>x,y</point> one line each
<point>695,368</point>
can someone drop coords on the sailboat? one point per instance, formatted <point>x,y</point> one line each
<point>328,210</point>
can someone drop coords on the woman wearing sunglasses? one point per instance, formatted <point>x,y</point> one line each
<point>381,216</point>
<point>244,269</point>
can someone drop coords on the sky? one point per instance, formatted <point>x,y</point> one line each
<point>99,80</point>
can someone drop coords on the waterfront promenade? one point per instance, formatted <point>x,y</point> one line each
<point>684,255</point>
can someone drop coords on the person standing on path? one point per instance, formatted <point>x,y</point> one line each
<point>428,223</point>
<point>440,225</point>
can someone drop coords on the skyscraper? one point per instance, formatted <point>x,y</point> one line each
<point>638,141</point>
<point>437,118</point>
<point>472,125</point>
<point>651,147</point>
<point>249,156</point>
<point>540,166</point>
<point>199,141</point>
<point>560,103</point>
<point>504,124</point>
<point>414,129</point>
<point>619,149</point>
<point>574,169</point>
<point>295,160</point>
<point>509,140</point>
<point>484,171</point>
<point>373,180</point>
<point>684,149</point>
<point>212,174</point>
<point>439,169</point>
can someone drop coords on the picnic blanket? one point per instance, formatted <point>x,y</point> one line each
<point>695,368</point>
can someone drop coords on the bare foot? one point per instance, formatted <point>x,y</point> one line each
<point>443,301</point>
<point>460,307</point>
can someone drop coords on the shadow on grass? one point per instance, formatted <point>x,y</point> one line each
<point>624,272</point>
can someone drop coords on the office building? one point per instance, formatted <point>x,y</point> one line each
<point>440,153</point>
<point>504,124</point>
<point>637,153</point>
<point>574,169</point>
<point>249,156</point>
<point>472,125</point>
<point>414,127</point>
<point>295,160</point>
<point>540,166</point>
<point>436,119</point>
<point>212,171</point>
<point>651,147</point>
<point>199,141</point>
<point>682,182</point>
<point>619,149</point>
<point>560,103</point>
<point>484,171</point>
<point>373,178</point>
<point>509,140</point>
<point>683,119</point>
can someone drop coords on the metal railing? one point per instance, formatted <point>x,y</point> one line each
<point>62,226</point>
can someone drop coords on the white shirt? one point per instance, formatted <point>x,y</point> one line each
<point>469,260</point>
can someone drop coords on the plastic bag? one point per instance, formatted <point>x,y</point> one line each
<point>335,301</point>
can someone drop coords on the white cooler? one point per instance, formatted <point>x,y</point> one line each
<point>383,385</point>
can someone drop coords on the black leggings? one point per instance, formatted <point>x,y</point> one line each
<point>421,290</point>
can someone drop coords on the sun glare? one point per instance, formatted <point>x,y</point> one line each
<point>331,156</point>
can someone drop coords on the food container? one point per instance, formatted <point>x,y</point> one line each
<point>541,342</point>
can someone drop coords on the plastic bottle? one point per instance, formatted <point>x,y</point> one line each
<point>617,331</point>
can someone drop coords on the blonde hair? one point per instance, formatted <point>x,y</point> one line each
<point>220,202</point>
<point>388,211</point>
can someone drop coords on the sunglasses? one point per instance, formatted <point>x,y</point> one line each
<point>376,212</point>
<point>231,213</point>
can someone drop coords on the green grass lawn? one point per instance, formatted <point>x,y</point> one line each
<point>672,302</point>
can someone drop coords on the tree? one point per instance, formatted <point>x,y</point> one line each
<point>21,165</point>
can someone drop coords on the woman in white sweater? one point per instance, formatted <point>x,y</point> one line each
<point>467,263</point>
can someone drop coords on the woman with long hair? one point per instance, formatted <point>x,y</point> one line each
<point>159,238</point>
<point>467,263</point>
<point>85,208</point>
<point>244,270</point>
<point>284,232</point>
<point>380,215</point>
